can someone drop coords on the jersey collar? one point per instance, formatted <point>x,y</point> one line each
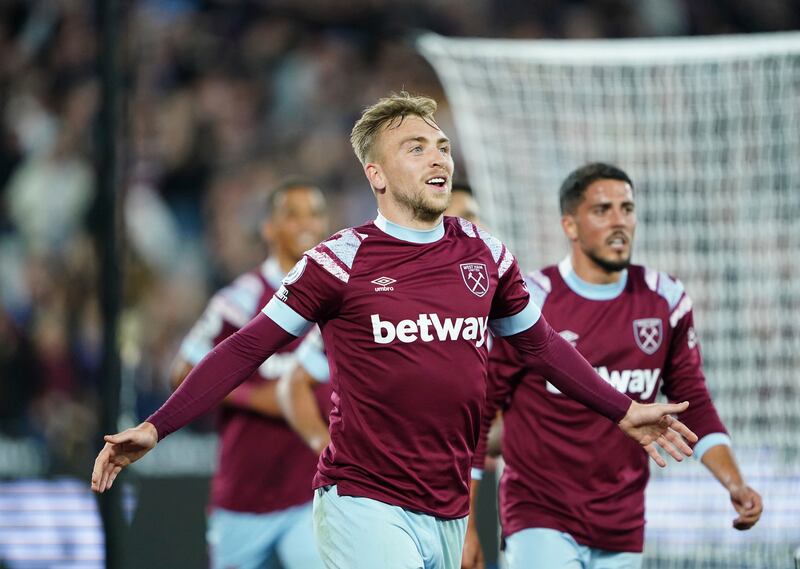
<point>591,291</point>
<point>408,234</point>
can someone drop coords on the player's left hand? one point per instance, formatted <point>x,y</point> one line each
<point>748,505</point>
<point>653,424</point>
<point>472,555</point>
<point>120,451</point>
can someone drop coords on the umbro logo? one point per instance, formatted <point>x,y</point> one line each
<point>384,284</point>
<point>383,281</point>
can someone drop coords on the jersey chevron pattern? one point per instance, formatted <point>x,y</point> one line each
<point>405,316</point>
<point>568,468</point>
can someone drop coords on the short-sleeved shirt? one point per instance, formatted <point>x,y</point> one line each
<point>568,468</point>
<point>262,464</point>
<point>405,318</point>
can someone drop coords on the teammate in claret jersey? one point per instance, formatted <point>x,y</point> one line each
<point>404,303</point>
<point>572,491</point>
<point>296,389</point>
<point>260,503</point>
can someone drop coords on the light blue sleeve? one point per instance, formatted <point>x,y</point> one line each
<point>709,441</point>
<point>286,317</point>
<point>517,323</point>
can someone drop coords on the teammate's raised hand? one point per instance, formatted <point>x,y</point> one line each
<point>652,424</point>
<point>119,451</point>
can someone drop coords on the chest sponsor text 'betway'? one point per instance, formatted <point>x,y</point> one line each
<point>430,327</point>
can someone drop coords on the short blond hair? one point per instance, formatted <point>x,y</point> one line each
<point>386,111</point>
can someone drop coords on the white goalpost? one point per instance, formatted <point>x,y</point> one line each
<point>709,130</point>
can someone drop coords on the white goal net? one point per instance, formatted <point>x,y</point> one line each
<point>709,130</point>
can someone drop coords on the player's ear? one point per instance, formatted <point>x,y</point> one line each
<point>569,226</point>
<point>375,176</point>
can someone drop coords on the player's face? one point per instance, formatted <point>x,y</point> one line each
<point>463,205</point>
<point>414,167</point>
<point>298,222</point>
<point>603,225</point>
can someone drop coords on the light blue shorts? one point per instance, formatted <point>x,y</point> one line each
<point>361,533</point>
<point>541,548</point>
<point>250,541</point>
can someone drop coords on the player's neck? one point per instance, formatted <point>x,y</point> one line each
<point>590,272</point>
<point>404,217</point>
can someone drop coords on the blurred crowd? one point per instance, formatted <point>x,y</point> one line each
<point>220,100</point>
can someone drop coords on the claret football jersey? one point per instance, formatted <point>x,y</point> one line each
<point>405,317</point>
<point>568,468</point>
<point>262,464</point>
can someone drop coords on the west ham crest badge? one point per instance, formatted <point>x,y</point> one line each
<point>648,333</point>
<point>476,277</point>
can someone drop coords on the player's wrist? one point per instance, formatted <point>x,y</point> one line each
<point>736,487</point>
<point>150,429</point>
<point>627,420</point>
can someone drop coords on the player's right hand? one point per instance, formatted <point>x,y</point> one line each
<point>119,451</point>
<point>652,424</point>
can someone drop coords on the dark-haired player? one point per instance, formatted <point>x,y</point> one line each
<point>572,491</point>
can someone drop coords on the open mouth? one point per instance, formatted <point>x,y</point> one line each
<point>618,242</point>
<point>437,182</point>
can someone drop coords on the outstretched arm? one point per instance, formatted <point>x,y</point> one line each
<point>225,367</point>
<point>259,396</point>
<point>542,348</point>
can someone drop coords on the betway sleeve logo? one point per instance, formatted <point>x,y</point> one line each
<point>430,327</point>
